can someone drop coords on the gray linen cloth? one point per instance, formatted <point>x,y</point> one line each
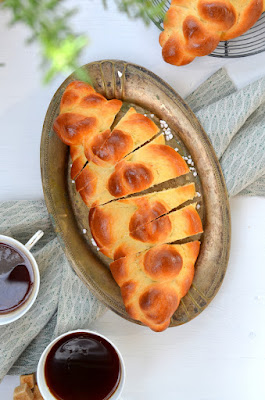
<point>235,123</point>
<point>64,303</point>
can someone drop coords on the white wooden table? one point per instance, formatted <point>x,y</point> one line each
<point>221,354</point>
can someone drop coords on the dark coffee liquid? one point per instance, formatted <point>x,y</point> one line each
<point>82,366</point>
<point>16,278</point>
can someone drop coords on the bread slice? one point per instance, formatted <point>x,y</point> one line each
<point>132,131</point>
<point>84,114</point>
<point>113,221</point>
<point>151,164</point>
<point>109,147</point>
<point>174,226</point>
<point>153,282</point>
<point>84,124</point>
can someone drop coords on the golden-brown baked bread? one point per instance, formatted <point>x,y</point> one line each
<point>153,282</point>
<point>151,164</point>
<point>132,131</point>
<point>194,28</point>
<point>112,164</point>
<point>84,114</point>
<point>109,147</point>
<point>113,221</point>
<point>177,225</point>
<point>92,181</point>
<point>84,122</point>
<point>79,160</point>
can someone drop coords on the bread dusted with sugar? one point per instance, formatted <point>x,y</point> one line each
<point>176,225</point>
<point>151,164</point>
<point>195,27</point>
<point>153,282</point>
<point>113,221</point>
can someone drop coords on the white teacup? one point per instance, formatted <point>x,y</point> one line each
<point>41,381</point>
<point>25,250</point>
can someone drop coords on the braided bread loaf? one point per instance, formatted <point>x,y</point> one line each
<point>110,164</point>
<point>195,27</point>
<point>153,282</point>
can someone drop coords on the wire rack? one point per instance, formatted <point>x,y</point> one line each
<point>252,42</point>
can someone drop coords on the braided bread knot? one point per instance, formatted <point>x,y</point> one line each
<point>194,28</point>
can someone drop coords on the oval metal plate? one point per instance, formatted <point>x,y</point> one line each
<point>147,92</point>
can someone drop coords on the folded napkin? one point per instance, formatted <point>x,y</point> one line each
<point>235,123</point>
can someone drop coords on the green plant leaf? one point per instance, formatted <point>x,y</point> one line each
<point>49,24</point>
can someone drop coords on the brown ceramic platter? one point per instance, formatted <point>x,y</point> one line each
<point>140,88</point>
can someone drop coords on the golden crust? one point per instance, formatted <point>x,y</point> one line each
<point>153,282</point>
<point>112,164</point>
<point>84,114</point>
<point>195,28</point>
<point>132,131</point>
<point>73,128</point>
<point>130,178</point>
<point>78,158</point>
<point>110,148</point>
<point>146,212</point>
<point>81,98</point>
<point>157,304</point>
<point>151,164</point>
<point>73,93</point>
<point>174,226</point>
<point>162,262</point>
<point>139,127</point>
<point>86,180</point>
<point>101,226</point>
<point>113,168</point>
<point>247,18</point>
<point>87,128</point>
<point>133,213</point>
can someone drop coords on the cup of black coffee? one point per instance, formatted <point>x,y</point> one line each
<point>19,278</point>
<point>81,365</point>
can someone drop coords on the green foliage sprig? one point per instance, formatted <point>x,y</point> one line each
<point>50,25</point>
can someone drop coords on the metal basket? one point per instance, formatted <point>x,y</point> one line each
<point>252,42</point>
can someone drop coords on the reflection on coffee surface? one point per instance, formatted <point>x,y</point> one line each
<point>16,278</point>
<point>82,366</point>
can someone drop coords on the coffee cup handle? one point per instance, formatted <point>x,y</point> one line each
<point>34,239</point>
